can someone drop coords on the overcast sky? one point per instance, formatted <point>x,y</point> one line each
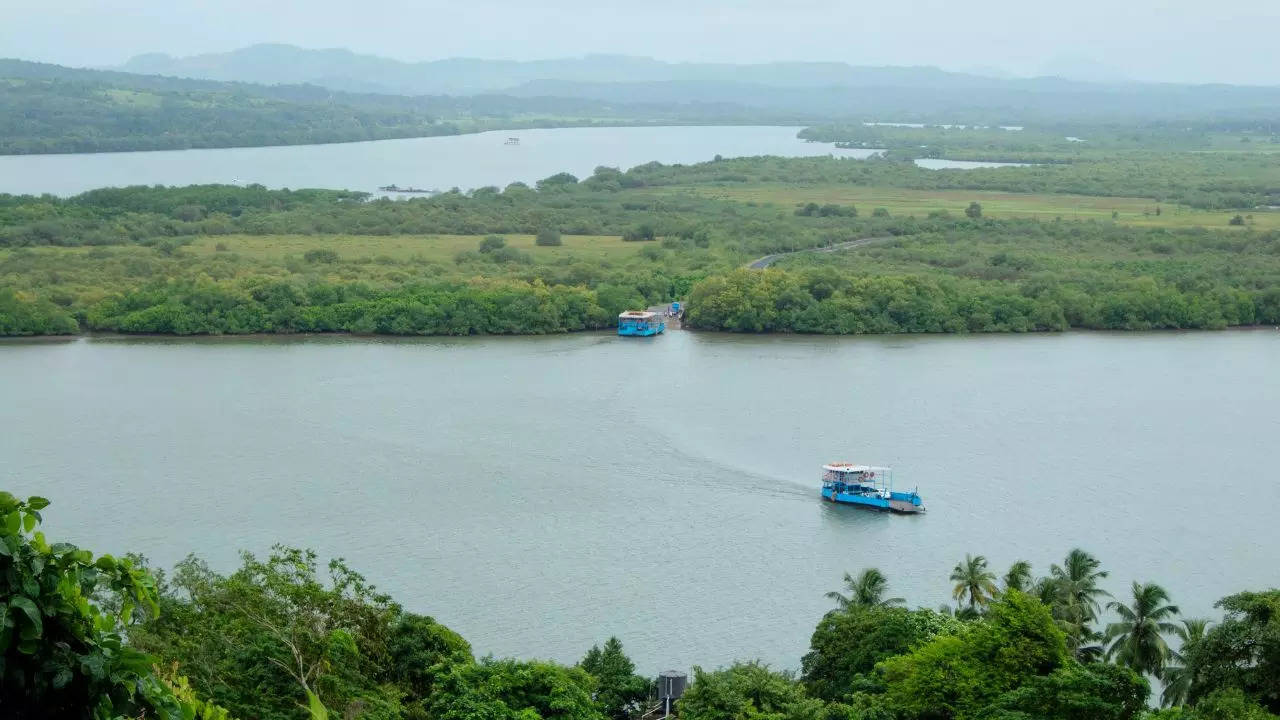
<point>1235,41</point>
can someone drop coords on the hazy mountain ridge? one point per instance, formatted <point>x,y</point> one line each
<point>291,64</point>
<point>796,89</point>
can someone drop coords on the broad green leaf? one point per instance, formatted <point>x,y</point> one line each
<point>12,523</point>
<point>28,606</point>
<point>35,502</point>
<point>28,522</point>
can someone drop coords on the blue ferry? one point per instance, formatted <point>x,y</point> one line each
<point>867,486</point>
<point>640,322</point>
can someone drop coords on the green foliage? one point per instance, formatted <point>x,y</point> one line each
<point>847,644</point>
<point>548,237</point>
<point>1178,675</point>
<point>973,581</point>
<point>1217,180</point>
<point>956,676</point>
<point>1018,577</point>
<point>420,652</point>
<point>321,255</point>
<point>22,316</point>
<point>1075,692</point>
<point>940,275</point>
<point>63,616</point>
<point>641,233</point>
<point>747,691</point>
<point>447,309</point>
<point>1242,652</point>
<point>618,690</point>
<point>1229,704</point>
<point>1137,639</point>
<point>974,211</point>
<point>821,302</point>
<point>867,590</point>
<point>1072,591</point>
<point>264,639</point>
<point>491,243</point>
<point>514,690</point>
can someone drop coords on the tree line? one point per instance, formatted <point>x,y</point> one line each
<point>283,637</point>
<point>939,273</point>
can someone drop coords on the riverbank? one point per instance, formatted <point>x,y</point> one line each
<point>568,254</point>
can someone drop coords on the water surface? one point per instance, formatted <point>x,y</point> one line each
<point>464,161</point>
<point>540,494</point>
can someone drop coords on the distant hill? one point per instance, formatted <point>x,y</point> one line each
<point>52,109</point>
<point>344,69</point>
<point>799,88</point>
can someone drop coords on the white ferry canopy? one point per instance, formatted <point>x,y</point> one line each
<point>841,467</point>
<point>638,315</point>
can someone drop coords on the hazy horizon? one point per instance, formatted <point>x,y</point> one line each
<point>1146,40</point>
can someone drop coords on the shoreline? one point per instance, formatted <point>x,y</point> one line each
<point>305,336</point>
<point>533,125</point>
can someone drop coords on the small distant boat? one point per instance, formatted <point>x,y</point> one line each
<point>397,188</point>
<point>867,486</point>
<point>641,323</point>
<point>512,141</point>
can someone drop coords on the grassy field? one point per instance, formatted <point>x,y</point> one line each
<point>406,248</point>
<point>900,201</point>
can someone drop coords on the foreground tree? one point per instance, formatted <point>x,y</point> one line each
<point>746,691</point>
<point>514,690</point>
<point>618,691</point>
<point>1241,652</point>
<point>1018,577</point>
<point>62,625</point>
<point>1177,676</point>
<point>1094,691</point>
<point>973,581</point>
<point>1137,639</point>
<point>957,675</point>
<point>846,645</point>
<point>1072,593</point>
<point>277,634</point>
<point>866,590</point>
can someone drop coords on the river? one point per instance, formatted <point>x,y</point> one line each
<point>540,494</point>
<point>464,161</point>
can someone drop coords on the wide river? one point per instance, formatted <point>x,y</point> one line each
<point>435,163</point>
<point>540,494</point>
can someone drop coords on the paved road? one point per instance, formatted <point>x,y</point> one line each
<point>768,260</point>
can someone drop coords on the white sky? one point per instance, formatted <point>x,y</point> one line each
<point>1235,41</point>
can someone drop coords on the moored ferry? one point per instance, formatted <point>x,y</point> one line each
<point>640,322</point>
<point>867,486</point>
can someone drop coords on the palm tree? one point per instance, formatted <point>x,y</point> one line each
<point>1137,641</point>
<point>1018,577</point>
<point>867,590</point>
<point>1177,677</point>
<point>973,580</point>
<point>1074,593</point>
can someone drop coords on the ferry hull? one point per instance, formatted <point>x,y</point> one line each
<point>897,502</point>
<point>632,331</point>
